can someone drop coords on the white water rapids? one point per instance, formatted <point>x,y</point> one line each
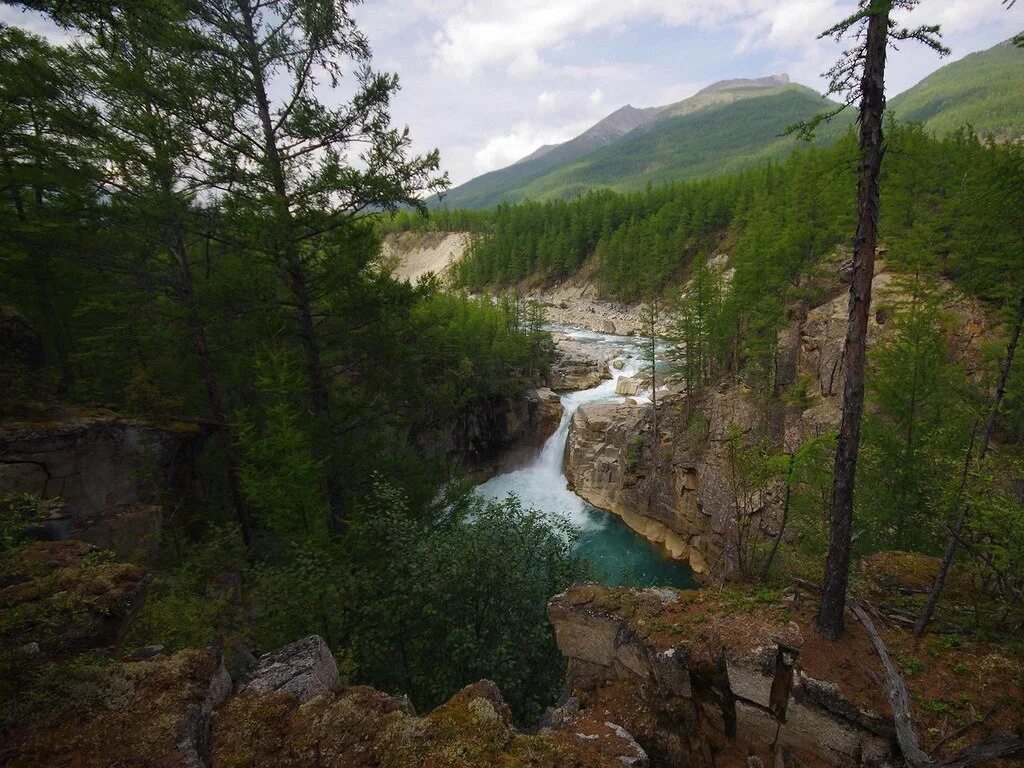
<point>620,556</point>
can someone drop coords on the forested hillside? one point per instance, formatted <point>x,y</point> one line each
<point>706,134</point>
<point>981,90</point>
<point>731,127</point>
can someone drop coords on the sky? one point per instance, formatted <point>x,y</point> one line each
<point>489,81</point>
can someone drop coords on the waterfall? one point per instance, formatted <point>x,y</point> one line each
<point>619,554</point>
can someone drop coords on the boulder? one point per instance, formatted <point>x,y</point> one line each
<point>627,386</point>
<point>304,669</point>
<point>578,366</point>
<point>608,327</point>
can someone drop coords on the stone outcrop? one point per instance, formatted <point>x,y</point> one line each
<point>578,366</point>
<point>730,679</point>
<point>495,433</point>
<point>94,460</point>
<point>359,727</point>
<point>304,669</point>
<point>153,713</point>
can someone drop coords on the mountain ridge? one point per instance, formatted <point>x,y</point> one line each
<point>717,130</point>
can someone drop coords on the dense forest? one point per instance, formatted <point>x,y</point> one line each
<point>187,249</point>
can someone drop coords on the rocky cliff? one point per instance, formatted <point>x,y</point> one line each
<point>101,471</point>
<point>499,431</point>
<point>681,493</point>
<point>721,678</point>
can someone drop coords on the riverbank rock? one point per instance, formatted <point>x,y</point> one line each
<point>609,463</point>
<point>578,366</point>
<point>627,386</point>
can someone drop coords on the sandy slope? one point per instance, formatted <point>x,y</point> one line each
<point>413,254</point>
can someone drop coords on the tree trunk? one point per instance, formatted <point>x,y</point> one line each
<point>872,149</point>
<point>965,514</point>
<point>197,328</point>
<point>293,271</point>
<point>767,567</point>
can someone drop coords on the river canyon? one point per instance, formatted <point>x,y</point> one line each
<point>618,554</point>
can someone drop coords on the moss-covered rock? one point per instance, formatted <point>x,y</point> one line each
<point>359,727</point>
<point>154,713</point>
<point>65,597</point>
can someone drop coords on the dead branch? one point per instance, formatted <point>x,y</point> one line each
<point>990,748</point>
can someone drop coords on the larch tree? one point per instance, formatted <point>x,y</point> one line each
<point>859,77</point>
<point>1000,189</point>
<point>302,170</point>
<point>139,69</point>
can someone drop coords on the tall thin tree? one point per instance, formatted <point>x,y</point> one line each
<point>859,76</point>
<point>304,170</point>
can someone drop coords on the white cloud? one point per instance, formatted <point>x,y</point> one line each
<point>527,63</point>
<point>506,148</point>
<point>596,97</point>
<point>547,100</point>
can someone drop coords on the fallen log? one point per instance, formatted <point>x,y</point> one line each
<point>990,748</point>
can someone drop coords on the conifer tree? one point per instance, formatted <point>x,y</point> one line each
<point>302,171</point>
<point>860,77</point>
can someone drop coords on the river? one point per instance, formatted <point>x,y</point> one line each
<point>619,555</point>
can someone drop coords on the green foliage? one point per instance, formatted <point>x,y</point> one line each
<point>280,476</point>
<point>418,605</point>
<point>194,597</point>
<point>17,512</point>
<point>918,431</point>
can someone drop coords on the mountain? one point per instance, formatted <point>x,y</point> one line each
<point>729,124</point>
<point>733,124</point>
<point>716,138</point>
<point>983,89</point>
